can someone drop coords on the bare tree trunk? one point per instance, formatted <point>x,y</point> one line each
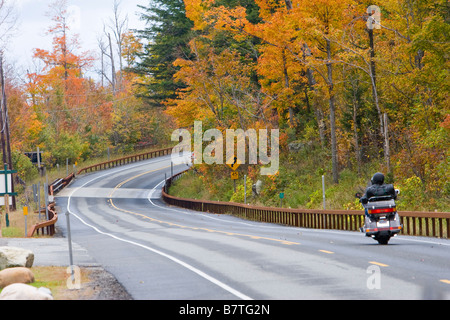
<point>387,153</point>
<point>355,127</point>
<point>113,68</point>
<point>103,70</point>
<point>381,116</point>
<point>332,99</point>
<point>119,26</point>
<point>288,4</point>
<point>312,87</point>
<point>286,86</point>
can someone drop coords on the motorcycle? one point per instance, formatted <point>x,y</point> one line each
<point>381,220</point>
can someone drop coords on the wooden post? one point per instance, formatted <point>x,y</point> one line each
<point>7,210</point>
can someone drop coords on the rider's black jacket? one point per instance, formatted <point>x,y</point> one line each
<point>378,188</point>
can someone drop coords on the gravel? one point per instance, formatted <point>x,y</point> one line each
<point>102,285</point>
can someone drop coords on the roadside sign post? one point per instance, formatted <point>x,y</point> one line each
<point>234,177</point>
<point>25,214</point>
<point>69,238</point>
<point>234,163</point>
<point>323,191</point>
<point>35,194</point>
<point>245,189</point>
<point>5,191</point>
<point>46,200</point>
<point>281,199</point>
<point>39,199</point>
<point>7,210</point>
<point>39,160</point>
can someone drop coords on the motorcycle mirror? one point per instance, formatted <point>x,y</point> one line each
<point>397,192</point>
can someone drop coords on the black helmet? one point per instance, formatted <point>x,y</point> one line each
<point>378,178</point>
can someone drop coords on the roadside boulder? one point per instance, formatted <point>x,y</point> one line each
<point>21,291</point>
<point>11,257</point>
<point>15,275</point>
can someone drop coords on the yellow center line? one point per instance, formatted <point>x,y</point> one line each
<point>379,264</point>
<point>445,281</point>
<point>181,226</point>
<point>326,251</point>
<point>131,179</point>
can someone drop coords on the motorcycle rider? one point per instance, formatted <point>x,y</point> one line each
<point>377,189</point>
<point>384,222</point>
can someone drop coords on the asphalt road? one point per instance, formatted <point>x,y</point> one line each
<point>160,252</point>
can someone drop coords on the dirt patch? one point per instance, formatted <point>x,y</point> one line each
<point>100,285</point>
<point>95,283</point>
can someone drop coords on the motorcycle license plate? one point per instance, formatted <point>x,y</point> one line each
<point>383,224</point>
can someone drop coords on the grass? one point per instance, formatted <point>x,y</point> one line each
<point>55,279</point>
<point>16,227</point>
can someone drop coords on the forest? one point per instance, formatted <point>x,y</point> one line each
<point>355,87</point>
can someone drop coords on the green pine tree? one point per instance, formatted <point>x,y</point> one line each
<point>167,36</point>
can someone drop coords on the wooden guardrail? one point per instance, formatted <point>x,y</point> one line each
<point>429,224</point>
<point>126,160</point>
<point>60,184</point>
<point>47,226</point>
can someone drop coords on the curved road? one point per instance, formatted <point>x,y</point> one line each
<point>160,252</point>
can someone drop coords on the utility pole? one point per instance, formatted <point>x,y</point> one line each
<point>2,121</point>
<point>4,125</point>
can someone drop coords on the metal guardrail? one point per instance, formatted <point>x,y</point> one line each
<point>429,224</point>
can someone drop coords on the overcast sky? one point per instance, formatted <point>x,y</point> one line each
<point>87,20</point>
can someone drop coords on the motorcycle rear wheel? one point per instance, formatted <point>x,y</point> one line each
<point>383,239</point>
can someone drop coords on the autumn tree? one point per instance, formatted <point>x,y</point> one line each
<point>296,31</point>
<point>68,104</point>
<point>222,82</point>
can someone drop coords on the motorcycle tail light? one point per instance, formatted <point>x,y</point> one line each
<point>386,210</point>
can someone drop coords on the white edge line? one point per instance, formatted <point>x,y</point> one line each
<point>178,261</point>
